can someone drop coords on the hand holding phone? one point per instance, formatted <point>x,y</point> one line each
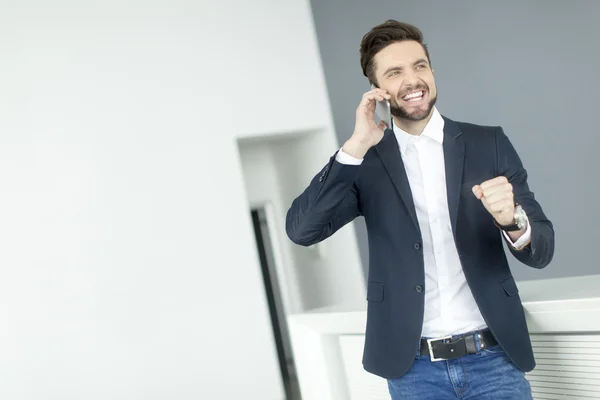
<point>366,132</point>
<point>383,110</point>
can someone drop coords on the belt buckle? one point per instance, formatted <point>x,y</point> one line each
<point>430,346</point>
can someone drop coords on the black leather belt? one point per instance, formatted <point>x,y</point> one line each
<point>451,347</point>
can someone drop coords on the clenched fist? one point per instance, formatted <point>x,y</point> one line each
<point>498,198</point>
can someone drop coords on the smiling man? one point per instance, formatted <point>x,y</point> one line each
<point>439,197</point>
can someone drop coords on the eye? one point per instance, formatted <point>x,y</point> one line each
<point>393,73</point>
<point>421,66</point>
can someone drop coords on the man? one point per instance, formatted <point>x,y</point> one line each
<point>445,320</point>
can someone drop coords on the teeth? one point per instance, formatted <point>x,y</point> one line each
<point>413,95</point>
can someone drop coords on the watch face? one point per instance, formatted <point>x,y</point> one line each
<point>520,217</point>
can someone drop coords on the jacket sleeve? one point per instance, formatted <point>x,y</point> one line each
<point>539,252</point>
<point>326,205</point>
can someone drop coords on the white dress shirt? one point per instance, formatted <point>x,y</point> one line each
<point>449,304</point>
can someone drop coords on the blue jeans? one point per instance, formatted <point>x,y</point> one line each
<point>489,374</point>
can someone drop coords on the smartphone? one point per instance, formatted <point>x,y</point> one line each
<point>383,110</point>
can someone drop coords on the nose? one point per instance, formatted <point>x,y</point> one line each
<point>410,79</point>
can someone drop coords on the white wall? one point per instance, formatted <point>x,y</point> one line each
<point>275,171</point>
<point>336,271</point>
<point>127,261</point>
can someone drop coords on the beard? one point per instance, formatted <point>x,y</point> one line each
<point>418,115</point>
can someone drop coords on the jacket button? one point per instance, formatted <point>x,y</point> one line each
<point>417,246</point>
<point>419,288</point>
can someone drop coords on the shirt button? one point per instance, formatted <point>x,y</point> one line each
<point>419,288</point>
<point>417,246</point>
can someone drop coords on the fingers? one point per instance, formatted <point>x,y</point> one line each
<point>375,95</point>
<point>379,92</point>
<point>496,186</point>
<point>498,207</point>
<point>497,197</point>
<point>496,194</point>
<point>494,182</point>
<point>500,195</point>
<point>367,104</point>
<point>478,192</point>
<point>370,99</point>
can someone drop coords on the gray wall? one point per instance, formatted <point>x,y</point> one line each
<point>529,66</point>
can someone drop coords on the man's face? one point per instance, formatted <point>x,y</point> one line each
<point>403,70</point>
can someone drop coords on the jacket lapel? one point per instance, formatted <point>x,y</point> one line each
<point>454,159</point>
<point>389,152</point>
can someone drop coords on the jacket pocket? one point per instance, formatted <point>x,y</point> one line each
<point>510,287</point>
<point>375,292</point>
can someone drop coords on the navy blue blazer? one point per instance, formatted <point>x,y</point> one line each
<point>379,191</point>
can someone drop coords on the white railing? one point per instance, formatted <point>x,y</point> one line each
<point>563,316</point>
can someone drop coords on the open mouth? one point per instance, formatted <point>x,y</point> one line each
<point>414,96</point>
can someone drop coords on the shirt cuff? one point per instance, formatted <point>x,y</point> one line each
<point>347,159</point>
<point>522,241</point>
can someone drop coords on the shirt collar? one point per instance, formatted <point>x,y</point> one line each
<point>433,130</point>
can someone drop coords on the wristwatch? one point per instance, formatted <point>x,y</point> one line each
<point>519,222</point>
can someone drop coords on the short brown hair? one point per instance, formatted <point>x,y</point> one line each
<point>383,35</point>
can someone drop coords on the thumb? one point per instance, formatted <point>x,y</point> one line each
<point>477,192</point>
<point>382,125</point>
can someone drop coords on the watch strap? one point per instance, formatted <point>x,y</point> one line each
<point>507,228</point>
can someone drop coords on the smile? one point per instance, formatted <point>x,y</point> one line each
<point>414,96</point>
